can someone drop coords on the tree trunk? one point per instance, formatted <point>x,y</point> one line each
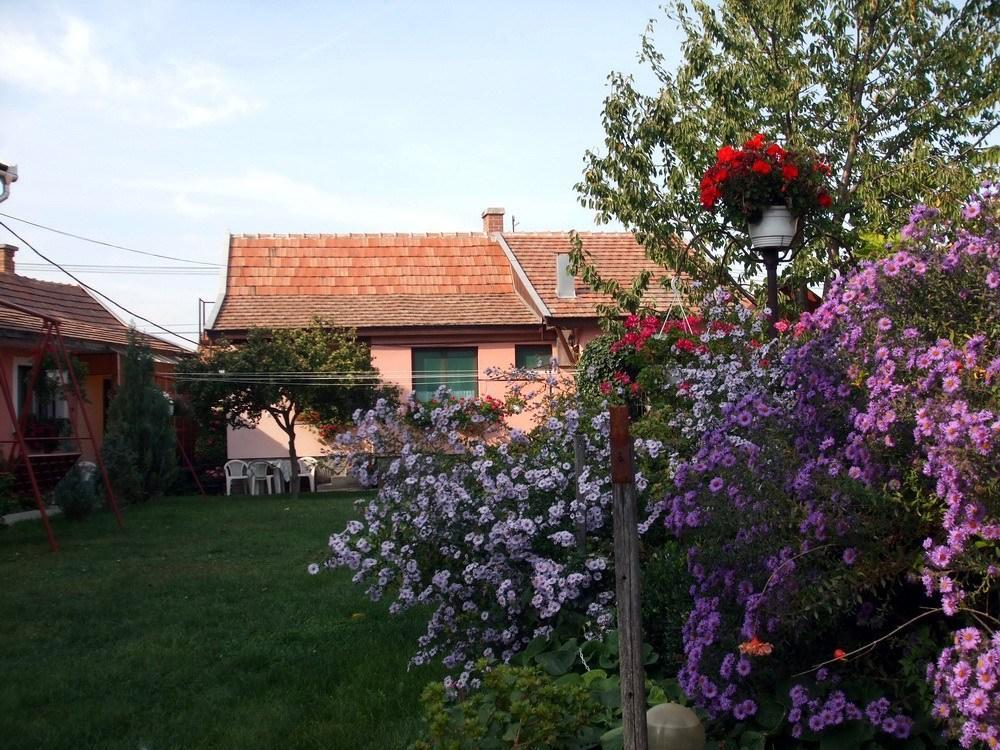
<point>293,457</point>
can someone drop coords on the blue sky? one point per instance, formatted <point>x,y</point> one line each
<point>166,125</point>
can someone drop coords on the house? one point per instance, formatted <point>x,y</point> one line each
<point>435,308</point>
<point>92,335</point>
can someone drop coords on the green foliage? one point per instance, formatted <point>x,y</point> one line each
<point>559,694</point>
<point>76,494</point>
<point>598,364</point>
<point>236,378</point>
<point>139,440</point>
<point>517,707</point>
<point>666,601</point>
<point>898,96</point>
<point>9,501</point>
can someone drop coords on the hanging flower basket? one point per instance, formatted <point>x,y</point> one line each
<point>767,188</point>
<point>775,229</point>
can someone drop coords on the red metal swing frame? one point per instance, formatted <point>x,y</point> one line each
<point>51,343</point>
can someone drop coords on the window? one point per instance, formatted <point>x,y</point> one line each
<point>456,368</point>
<point>533,356</point>
<point>47,400</point>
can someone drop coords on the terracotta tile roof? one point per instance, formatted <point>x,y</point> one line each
<point>82,317</point>
<point>371,311</point>
<point>369,280</point>
<point>616,255</point>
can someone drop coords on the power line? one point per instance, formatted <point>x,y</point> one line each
<point>125,270</point>
<point>105,244</point>
<point>37,252</point>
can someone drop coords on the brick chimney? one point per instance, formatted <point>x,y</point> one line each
<point>7,260</point>
<point>492,220</point>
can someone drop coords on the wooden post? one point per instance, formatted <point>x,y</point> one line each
<point>626,540</point>
<point>579,461</point>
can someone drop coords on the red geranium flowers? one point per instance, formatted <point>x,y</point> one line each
<point>744,181</point>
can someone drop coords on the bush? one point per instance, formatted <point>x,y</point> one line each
<point>77,494</point>
<point>598,364</point>
<point>514,707</point>
<point>666,601</point>
<point>139,446</point>
<point>484,530</point>
<point>822,470</point>
<point>9,501</point>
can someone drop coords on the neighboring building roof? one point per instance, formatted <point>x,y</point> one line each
<point>80,315</point>
<point>369,280</point>
<point>616,255</point>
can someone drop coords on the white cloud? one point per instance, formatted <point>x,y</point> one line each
<point>179,94</point>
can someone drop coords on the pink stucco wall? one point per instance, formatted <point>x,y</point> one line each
<point>395,364</point>
<point>270,441</point>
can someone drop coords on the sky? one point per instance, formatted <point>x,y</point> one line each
<point>164,126</point>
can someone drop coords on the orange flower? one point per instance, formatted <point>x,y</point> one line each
<point>756,647</point>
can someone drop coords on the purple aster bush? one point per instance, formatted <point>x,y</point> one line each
<point>841,485</point>
<point>483,529</point>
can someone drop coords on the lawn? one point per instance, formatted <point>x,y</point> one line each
<point>197,626</point>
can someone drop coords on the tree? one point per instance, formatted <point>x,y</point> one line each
<point>139,441</point>
<point>284,373</point>
<point>899,96</point>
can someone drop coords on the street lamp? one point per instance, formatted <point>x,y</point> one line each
<point>771,238</point>
<point>8,176</point>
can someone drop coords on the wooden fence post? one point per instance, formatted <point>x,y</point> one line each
<point>627,583</point>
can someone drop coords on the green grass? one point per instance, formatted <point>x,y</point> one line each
<point>197,626</point>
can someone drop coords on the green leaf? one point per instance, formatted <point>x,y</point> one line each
<point>612,739</point>
<point>559,661</point>
<point>847,736</point>
<point>770,713</point>
<point>512,732</point>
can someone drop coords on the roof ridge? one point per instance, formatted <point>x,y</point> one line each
<point>557,233</point>
<point>347,235</point>
<point>22,277</point>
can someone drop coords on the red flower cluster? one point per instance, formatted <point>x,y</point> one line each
<point>759,174</point>
<point>637,332</point>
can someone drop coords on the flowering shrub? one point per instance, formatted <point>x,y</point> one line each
<point>487,532</point>
<point>821,473</point>
<point>743,182</point>
<point>471,413</point>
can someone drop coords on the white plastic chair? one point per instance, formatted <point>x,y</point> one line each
<point>261,471</point>
<point>236,470</point>
<point>307,469</point>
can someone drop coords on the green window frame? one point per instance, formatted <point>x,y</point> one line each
<point>457,368</point>
<point>533,356</point>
